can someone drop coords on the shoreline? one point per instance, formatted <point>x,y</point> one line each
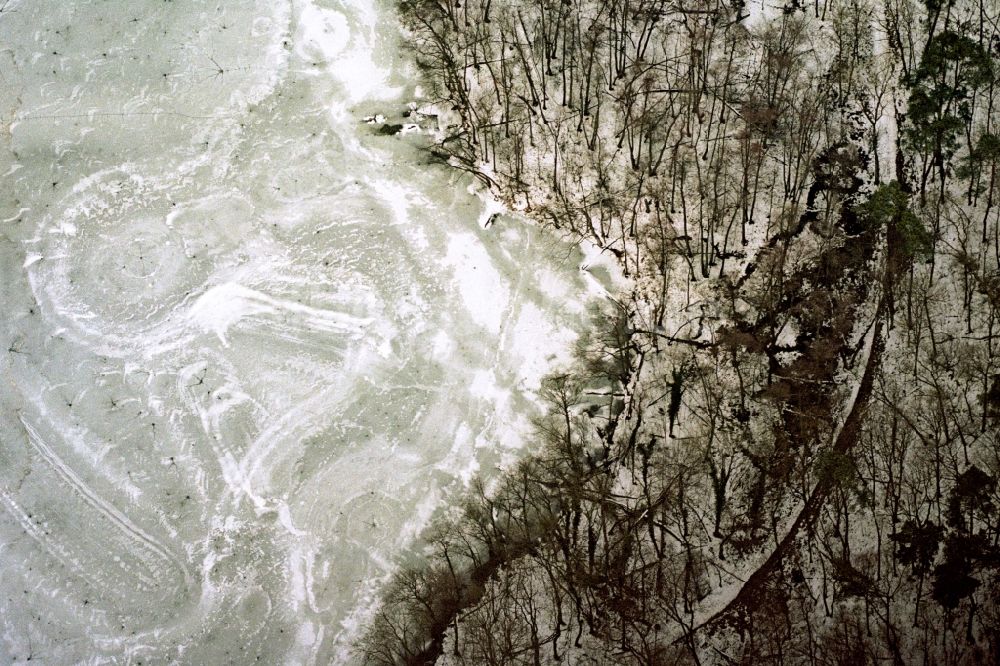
<point>767,234</point>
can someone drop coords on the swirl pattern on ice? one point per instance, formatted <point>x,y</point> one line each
<point>248,344</point>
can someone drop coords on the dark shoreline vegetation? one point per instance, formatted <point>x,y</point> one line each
<point>782,445</point>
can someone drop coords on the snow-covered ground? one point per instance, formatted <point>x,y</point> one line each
<point>248,344</point>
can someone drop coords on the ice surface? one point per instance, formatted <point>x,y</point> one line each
<point>247,344</point>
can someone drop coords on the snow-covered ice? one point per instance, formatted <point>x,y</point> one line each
<point>248,345</point>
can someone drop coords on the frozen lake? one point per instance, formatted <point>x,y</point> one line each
<point>248,344</point>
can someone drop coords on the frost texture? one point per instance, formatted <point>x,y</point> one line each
<point>248,343</point>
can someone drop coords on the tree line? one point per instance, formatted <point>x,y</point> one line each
<point>781,445</point>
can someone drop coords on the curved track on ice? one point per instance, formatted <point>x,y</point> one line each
<point>248,344</point>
